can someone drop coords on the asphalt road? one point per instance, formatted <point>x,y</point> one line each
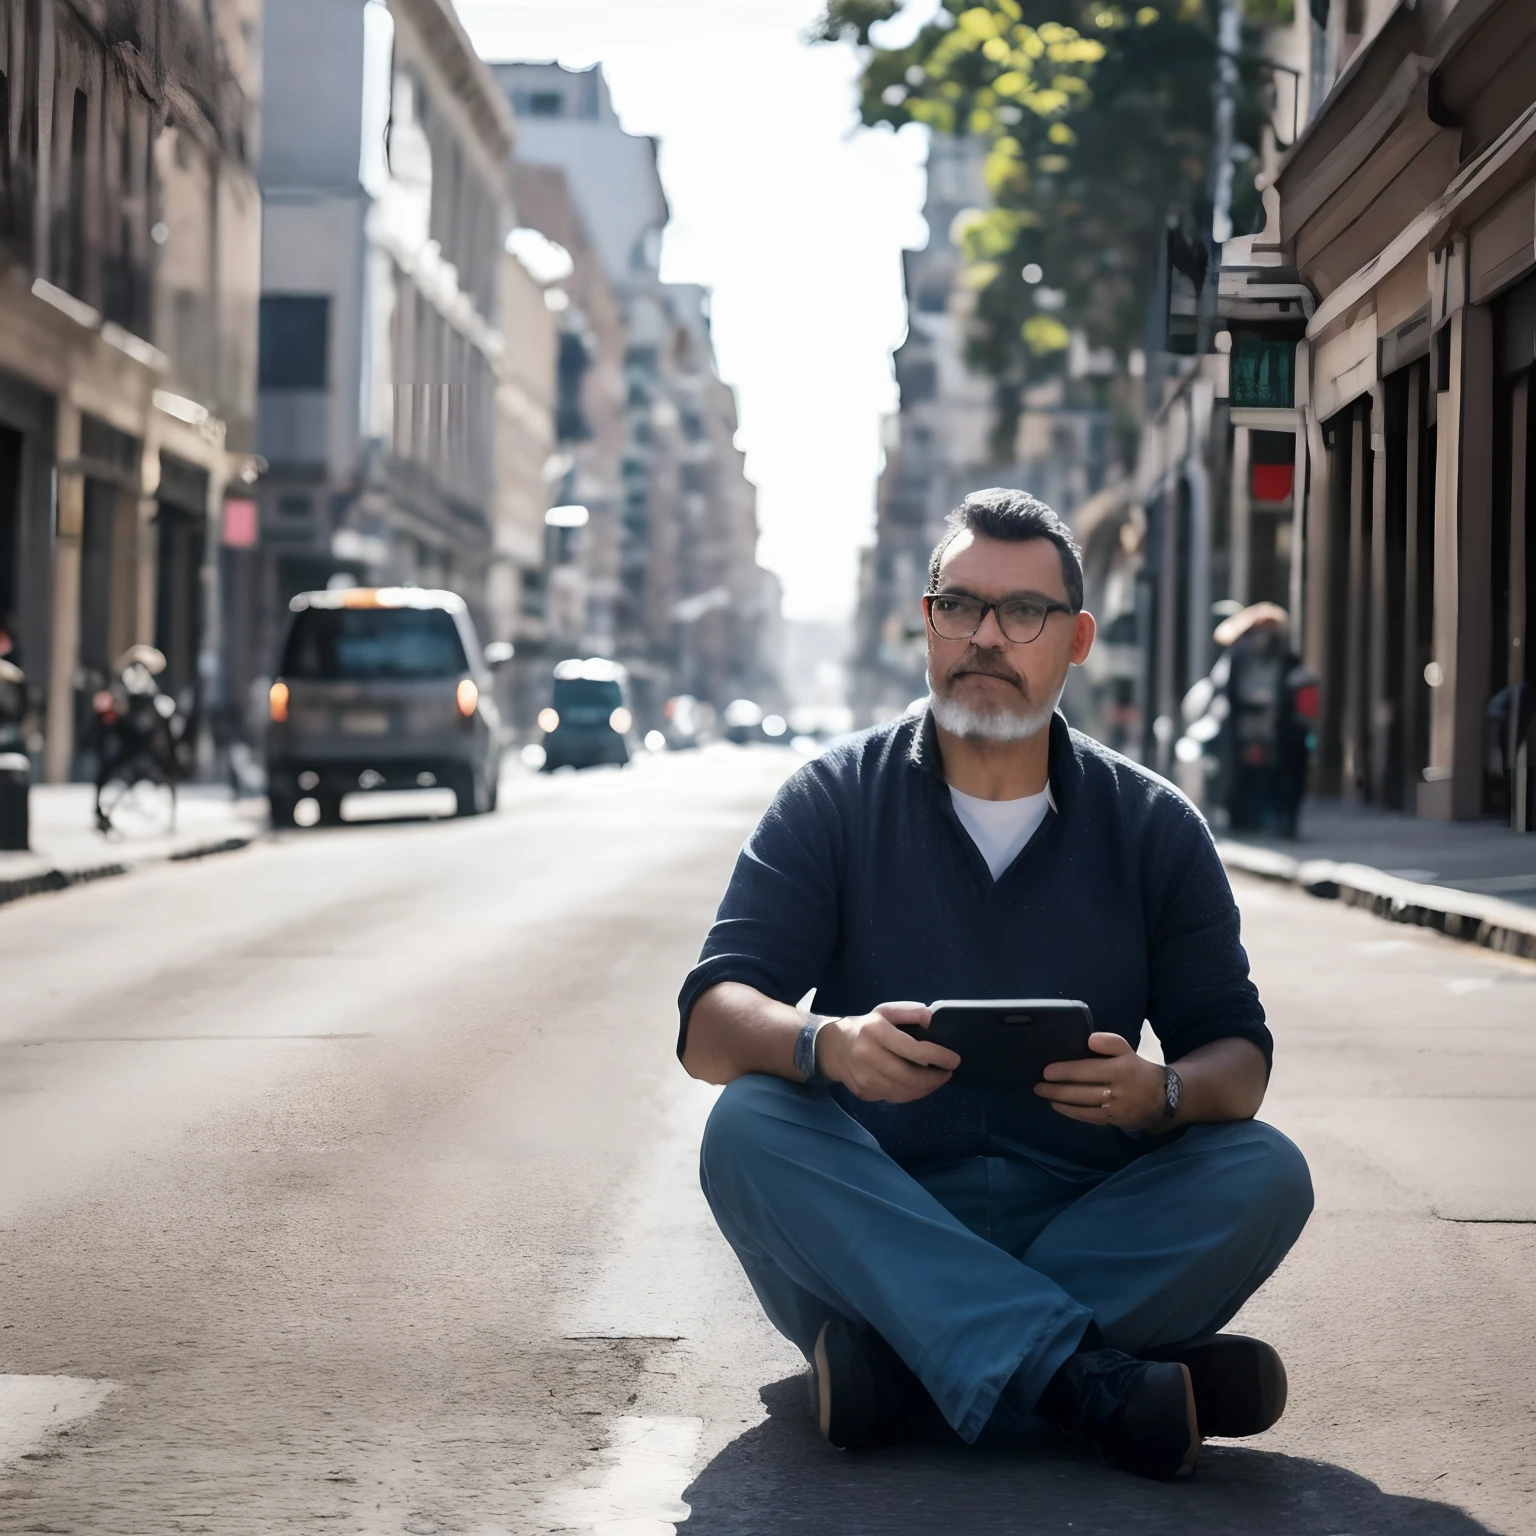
<point>347,1184</point>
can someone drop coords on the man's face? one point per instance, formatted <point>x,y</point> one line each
<point>989,685</point>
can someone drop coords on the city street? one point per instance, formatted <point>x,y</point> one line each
<point>347,1183</point>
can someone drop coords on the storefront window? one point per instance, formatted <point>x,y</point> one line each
<point>1263,371</point>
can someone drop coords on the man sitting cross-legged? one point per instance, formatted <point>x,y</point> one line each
<point>1070,1255</point>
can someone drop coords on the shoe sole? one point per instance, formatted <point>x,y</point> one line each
<point>823,1372</point>
<point>1240,1384</point>
<point>1161,1427</point>
<point>1192,1419</point>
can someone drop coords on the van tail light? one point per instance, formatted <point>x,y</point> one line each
<point>467,697</point>
<point>277,701</point>
<point>1307,701</point>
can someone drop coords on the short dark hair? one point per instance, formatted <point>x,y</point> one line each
<point>1015,516</point>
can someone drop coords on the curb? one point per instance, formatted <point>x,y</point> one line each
<point>48,880</point>
<point>1463,915</point>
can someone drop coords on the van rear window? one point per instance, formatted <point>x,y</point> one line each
<point>355,644</point>
<point>579,692</point>
<point>583,701</point>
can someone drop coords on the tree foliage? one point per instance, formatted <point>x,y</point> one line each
<point>1097,119</point>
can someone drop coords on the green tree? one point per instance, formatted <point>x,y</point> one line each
<point>1097,117</point>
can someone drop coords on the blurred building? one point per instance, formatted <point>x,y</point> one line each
<point>393,405</point>
<point>815,671</point>
<point>724,606</point>
<point>578,599</point>
<point>1351,437</point>
<point>674,581</point>
<point>1409,210</point>
<point>516,600</point>
<point>1206,526</point>
<point>129,232</point>
<point>939,445</point>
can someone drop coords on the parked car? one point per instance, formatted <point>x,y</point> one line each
<point>381,688</point>
<point>588,720</point>
<point>685,722</point>
<point>745,722</point>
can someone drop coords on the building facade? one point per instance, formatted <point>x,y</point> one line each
<point>940,444</point>
<point>673,577</point>
<point>578,603</point>
<point>1354,443</point>
<point>722,610</point>
<point>129,236</point>
<point>1409,211</point>
<point>1209,522</point>
<point>393,405</point>
<point>516,601</point>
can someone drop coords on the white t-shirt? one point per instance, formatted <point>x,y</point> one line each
<point>1001,828</point>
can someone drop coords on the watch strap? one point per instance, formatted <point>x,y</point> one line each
<point>1173,1091</point>
<point>805,1049</point>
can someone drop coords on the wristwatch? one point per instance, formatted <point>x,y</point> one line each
<point>805,1050</point>
<point>1173,1092</point>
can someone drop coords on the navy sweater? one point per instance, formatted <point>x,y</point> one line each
<point>860,883</point>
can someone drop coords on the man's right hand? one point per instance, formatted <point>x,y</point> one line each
<point>875,1060</point>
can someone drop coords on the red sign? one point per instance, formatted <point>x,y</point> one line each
<point>241,523</point>
<point>1272,482</point>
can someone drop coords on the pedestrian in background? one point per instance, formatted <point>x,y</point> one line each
<point>1250,722</point>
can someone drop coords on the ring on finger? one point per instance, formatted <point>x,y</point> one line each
<point>1109,1093</point>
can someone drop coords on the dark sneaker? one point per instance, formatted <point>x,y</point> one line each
<point>1139,1414</point>
<point>1239,1382</point>
<point>864,1393</point>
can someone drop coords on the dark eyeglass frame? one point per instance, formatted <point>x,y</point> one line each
<point>1047,607</point>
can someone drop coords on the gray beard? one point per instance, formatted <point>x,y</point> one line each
<point>997,724</point>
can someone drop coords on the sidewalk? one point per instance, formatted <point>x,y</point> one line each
<point>1471,880</point>
<point>68,850</point>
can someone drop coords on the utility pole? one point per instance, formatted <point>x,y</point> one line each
<point>1317,85</point>
<point>1229,39</point>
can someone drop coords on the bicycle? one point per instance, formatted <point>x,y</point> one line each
<point>143,751</point>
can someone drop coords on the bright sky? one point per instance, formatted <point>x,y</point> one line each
<point>791,213</point>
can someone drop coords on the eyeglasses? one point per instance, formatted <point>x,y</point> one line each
<point>956,616</point>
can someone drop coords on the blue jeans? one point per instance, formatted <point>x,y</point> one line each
<point>984,1274</point>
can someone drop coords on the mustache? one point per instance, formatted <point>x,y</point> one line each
<point>988,665</point>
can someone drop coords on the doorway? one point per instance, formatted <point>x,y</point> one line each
<point>181,527</point>
<point>1509,791</point>
<point>10,535</point>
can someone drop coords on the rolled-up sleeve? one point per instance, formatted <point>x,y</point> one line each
<point>778,921</point>
<point>1198,984</point>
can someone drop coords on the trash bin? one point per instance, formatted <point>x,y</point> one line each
<point>15,780</point>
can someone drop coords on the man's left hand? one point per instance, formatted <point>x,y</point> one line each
<point>1137,1089</point>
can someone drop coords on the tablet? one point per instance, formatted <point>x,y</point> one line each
<point>1005,1045</point>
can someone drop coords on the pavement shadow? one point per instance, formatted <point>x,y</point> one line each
<point>781,1477</point>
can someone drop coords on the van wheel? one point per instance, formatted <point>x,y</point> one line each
<point>465,783</point>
